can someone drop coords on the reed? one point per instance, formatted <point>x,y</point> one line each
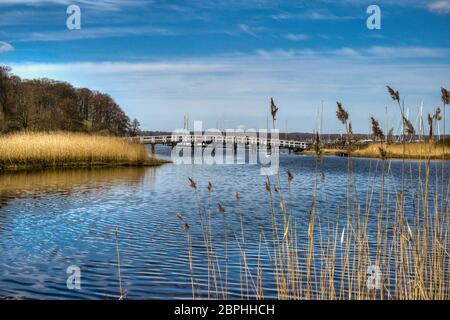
<point>61,149</point>
<point>391,246</point>
<point>412,150</point>
<point>122,293</point>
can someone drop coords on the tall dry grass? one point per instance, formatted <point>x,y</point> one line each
<point>61,149</point>
<point>401,230</point>
<point>412,150</point>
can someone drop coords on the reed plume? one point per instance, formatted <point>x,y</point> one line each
<point>377,133</point>
<point>343,116</point>
<point>192,183</point>
<point>445,96</point>
<point>220,208</point>
<point>437,114</point>
<point>383,154</point>
<point>185,224</point>
<point>290,176</point>
<point>409,128</point>
<point>273,111</point>
<point>395,95</point>
<point>341,113</point>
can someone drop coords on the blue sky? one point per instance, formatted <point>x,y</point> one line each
<point>221,61</point>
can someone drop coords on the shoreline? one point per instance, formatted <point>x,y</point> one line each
<point>80,165</point>
<point>410,151</point>
<point>339,153</point>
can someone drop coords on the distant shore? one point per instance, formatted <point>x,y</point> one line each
<point>413,150</point>
<point>31,151</point>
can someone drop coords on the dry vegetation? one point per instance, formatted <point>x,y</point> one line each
<point>410,247</point>
<point>59,149</point>
<point>404,232</point>
<point>414,150</point>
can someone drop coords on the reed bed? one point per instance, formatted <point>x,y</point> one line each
<point>61,149</point>
<point>412,150</point>
<point>391,246</point>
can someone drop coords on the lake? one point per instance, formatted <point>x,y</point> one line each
<point>50,220</point>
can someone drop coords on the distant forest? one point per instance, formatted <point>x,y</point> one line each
<point>49,105</point>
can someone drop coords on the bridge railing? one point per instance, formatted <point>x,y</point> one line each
<point>200,139</point>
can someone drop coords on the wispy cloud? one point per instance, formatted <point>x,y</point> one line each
<point>348,52</point>
<point>408,52</point>
<point>205,87</point>
<point>113,68</point>
<point>99,4</point>
<point>312,15</point>
<point>441,6</point>
<point>5,47</point>
<point>296,36</point>
<point>251,30</point>
<point>90,33</point>
<point>373,52</point>
<point>435,6</point>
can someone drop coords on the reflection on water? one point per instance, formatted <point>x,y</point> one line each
<point>50,220</point>
<point>68,181</point>
<point>48,180</point>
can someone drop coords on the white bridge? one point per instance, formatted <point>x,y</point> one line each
<point>204,140</point>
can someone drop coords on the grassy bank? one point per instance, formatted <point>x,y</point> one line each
<point>414,150</point>
<point>53,150</point>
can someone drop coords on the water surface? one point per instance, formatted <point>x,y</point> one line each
<point>50,220</point>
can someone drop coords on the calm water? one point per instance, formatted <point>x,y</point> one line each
<point>54,219</point>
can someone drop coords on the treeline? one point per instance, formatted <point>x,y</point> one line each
<point>49,105</point>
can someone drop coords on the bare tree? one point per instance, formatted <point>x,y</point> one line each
<point>46,104</point>
<point>135,127</point>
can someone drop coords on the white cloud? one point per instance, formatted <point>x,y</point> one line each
<point>296,36</point>
<point>5,47</point>
<point>100,4</point>
<point>312,15</point>
<point>441,6</point>
<point>90,33</point>
<point>114,68</point>
<point>236,88</point>
<point>250,29</point>
<point>349,52</point>
<point>374,52</point>
<point>408,52</point>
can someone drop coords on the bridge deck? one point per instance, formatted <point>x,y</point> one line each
<point>206,139</point>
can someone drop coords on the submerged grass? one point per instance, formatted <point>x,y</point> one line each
<point>61,149</point>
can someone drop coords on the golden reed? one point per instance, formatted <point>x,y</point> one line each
<point>62,149</point>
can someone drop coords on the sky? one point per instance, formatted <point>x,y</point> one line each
<point>221,61</point>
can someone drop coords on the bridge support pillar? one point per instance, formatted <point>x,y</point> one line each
<point>153,148</point>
